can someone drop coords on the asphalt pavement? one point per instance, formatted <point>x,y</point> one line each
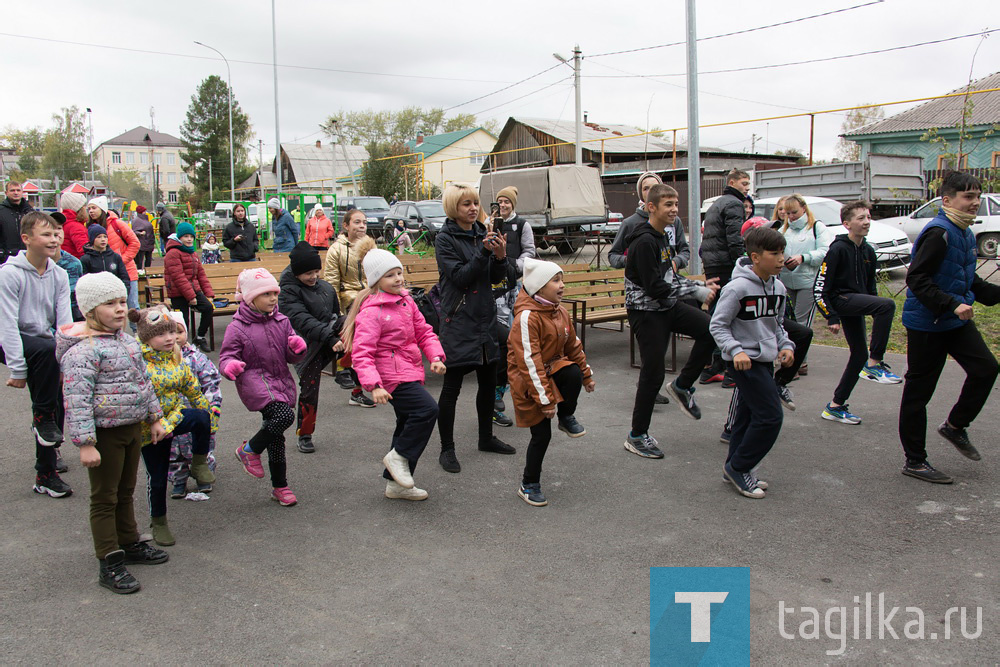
<point>475,575</point>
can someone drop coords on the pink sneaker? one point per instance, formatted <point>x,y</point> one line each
<point>250,461</point>
<point>284,496</point>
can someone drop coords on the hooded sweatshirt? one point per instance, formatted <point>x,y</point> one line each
<point>849,268</point>
<point>104,383</point>
<point>674,233</point>
<point>650,281</point>
<point>37,303</point>
<point>748,316</point>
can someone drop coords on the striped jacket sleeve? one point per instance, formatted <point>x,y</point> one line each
<point>525,341</point>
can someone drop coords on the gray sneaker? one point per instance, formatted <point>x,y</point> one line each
<point>644,445</point>
<point>785,394</point>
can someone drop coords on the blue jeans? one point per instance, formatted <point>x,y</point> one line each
<point>133,298</point>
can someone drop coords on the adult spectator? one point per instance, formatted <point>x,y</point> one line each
<point>319,229</point>
<point>167,225</point>
<point>240,237</point>
<point>286,232</point>
<point>12,209</point>
<point>74,206</point>
<point>143,230</point>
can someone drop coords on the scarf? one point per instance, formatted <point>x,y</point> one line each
<point>544,302</point>
<point>187,248</point>
<point>961,220</point>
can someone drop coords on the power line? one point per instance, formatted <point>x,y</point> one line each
<point>798,62</point>
<point>244,62</point>
<point>516,83</point>
<point>551,85</point>
<point>739,32</point>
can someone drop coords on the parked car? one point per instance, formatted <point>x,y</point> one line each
<point>375,208</point>
<point>986,227</point>
<point>892,247</point>
<point>418,216</point>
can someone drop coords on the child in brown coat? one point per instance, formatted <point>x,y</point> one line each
<point>546,367</point>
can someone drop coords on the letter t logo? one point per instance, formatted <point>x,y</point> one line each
<point>701,611</point>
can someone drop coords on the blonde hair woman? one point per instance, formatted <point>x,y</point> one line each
<point>806,242</point>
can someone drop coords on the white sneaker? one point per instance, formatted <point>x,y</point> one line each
<point>393,490</point>
<point>399,468</point>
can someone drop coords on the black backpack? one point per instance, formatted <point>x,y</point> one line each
<point>429,304</point>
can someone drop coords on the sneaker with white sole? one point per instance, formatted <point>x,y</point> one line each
<point>880,373</point>
<point>532,494</point>
<point>840,414</point>
<point>399,468</point>
<point>745,482</point>
<point>758,482</point>
<point>51,484</point>
<point>685,399</point>
<point>785,394</point>
<point>284,496</point>
<point>643,445</point>
<point>397,492</point>
<point>361,401</point>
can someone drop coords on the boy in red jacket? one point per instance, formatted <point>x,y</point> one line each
<point>187,284</point>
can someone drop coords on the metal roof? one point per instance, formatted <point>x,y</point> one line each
<point>945,112</point>
<point>137,137</point>
<point>438,142</point>
<point>310,163</point>
<point>564,130</point>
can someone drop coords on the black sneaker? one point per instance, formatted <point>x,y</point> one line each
<point>361,401</point>
<point>685,399</point>
<point>571,427</point>
<point>202,344</point>
<point>449,461</point>
<point>959,438</point>
<point>728,382</point>
<point>725,437</point>
<point>496,446</point>
<point>710,375</point>
<point>344,380</point>
<point>785,394</point>
<point>47,432</point>
<point>644,445</point>
<point>532,494</point>
<point>144,553</point>
<point>61,466</point>
<point>52,485</point>
<point>661,399</point>
<point>306,444</point>
<point>926,472</point>
<point>114,576</point>
<point>500,419</point>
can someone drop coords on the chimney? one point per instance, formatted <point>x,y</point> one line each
<point>319,144</point>
<point>420,139</point>
<point>584,117</point>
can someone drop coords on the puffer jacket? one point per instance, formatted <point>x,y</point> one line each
<point>123,241</point>
<point>96,261</point>
<point>75,234</point>
<point>285,231</point>
<point>468,308</point>
<point>173,382</point>
<point>722,243</point>
<point>261,342</point>
<point>314,311</point>
<point>342,268</point>
<point>319,231</point>
<point>104,383</point>
<point>389,335</point>
<point>183,273</point>
<point>542,342</point>
<point>10,227</point>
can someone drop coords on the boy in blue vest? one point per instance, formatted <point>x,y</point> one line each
<point>937,314</point>
<point>846,293</point>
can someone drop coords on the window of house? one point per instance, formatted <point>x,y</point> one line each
<point>116,157</point>
<point>949,162</point>
<point>995,161</point>
<point>172,196</point>
<point>156,158</point>
<point>145,177</point>
<point>171,178</point>
<point>129,158</point>
<point>143,158</point>
<point>184,178</point>
<point>171,159</point>
<point>476,157</point>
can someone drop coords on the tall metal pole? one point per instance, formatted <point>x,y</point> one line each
<point>277,130</point>
<point>90,122</point>
<point>694,148</point>
<point>211,189</point>
<point>343,149</point>
<point>577,61</point>
<point>229,77</point>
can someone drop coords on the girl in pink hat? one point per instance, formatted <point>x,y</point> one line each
<point>257,348</point>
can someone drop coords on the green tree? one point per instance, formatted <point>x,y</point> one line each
<point>63,152</point>
<point>847,150</point>
<point>385,177</point>
<point>205,136</point>
<point>390,127</point>
<point>129,185</point>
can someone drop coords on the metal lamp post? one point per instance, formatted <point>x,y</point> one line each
<point>577,59</point>
<point>229,76</point>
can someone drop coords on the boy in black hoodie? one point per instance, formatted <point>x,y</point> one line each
<point>98,255</point>
<point>311,304</point>
<point>652,297</point>
<point>846,292</point>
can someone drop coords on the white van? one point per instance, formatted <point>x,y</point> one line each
<point>224,213</point>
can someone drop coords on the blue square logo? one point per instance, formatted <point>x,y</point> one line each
<point>699,615</point>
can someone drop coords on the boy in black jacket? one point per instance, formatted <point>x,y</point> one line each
<point>311,304</point>
<point>652,297</point>
<point>846,292</point>
<point>98,255</point>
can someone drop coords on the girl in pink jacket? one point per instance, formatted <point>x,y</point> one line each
<point>385,334</point>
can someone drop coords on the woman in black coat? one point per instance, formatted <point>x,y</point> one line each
<point>470,261</point>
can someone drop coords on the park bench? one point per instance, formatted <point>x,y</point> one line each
<point>595,297</point>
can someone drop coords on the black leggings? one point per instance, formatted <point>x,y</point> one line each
<point>486,376</point>
<point>204,307</point>
<point>278,416</point>
<point>310,372</point>
<point>569,381</point>
<point>503,333</point>
<point>143,259</point>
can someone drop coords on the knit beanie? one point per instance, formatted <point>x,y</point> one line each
<point>160,206</point>
<point>151,322</point>
<point>254,282</point>
<point>377,263</point>
<point>510,192</point>
<point>140,209</point>
<point>273,203</point>
<point>72,201</point>
<point>304,258</point>
<point>100,202</point>
<point>94,231</point>
<point>185,228</point>
<point>93,289</point>
<point>642,177</point>
<point>537,274</point>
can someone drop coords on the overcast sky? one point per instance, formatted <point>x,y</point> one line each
<point>465,50</point>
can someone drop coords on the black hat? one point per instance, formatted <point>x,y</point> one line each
<point>304,258</point>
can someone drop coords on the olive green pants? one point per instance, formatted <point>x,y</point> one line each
<point>112,484</point>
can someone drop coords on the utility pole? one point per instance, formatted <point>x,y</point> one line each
<point>753,143</point>
<point>90,141</point>
<point>578,132</point>
<point>260,167</point>
<point>211,189</point>
<point>343,149</point>
<point>694,148</point>
<point>277,130</point>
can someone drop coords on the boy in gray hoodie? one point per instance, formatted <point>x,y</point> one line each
<point>747,328</point>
